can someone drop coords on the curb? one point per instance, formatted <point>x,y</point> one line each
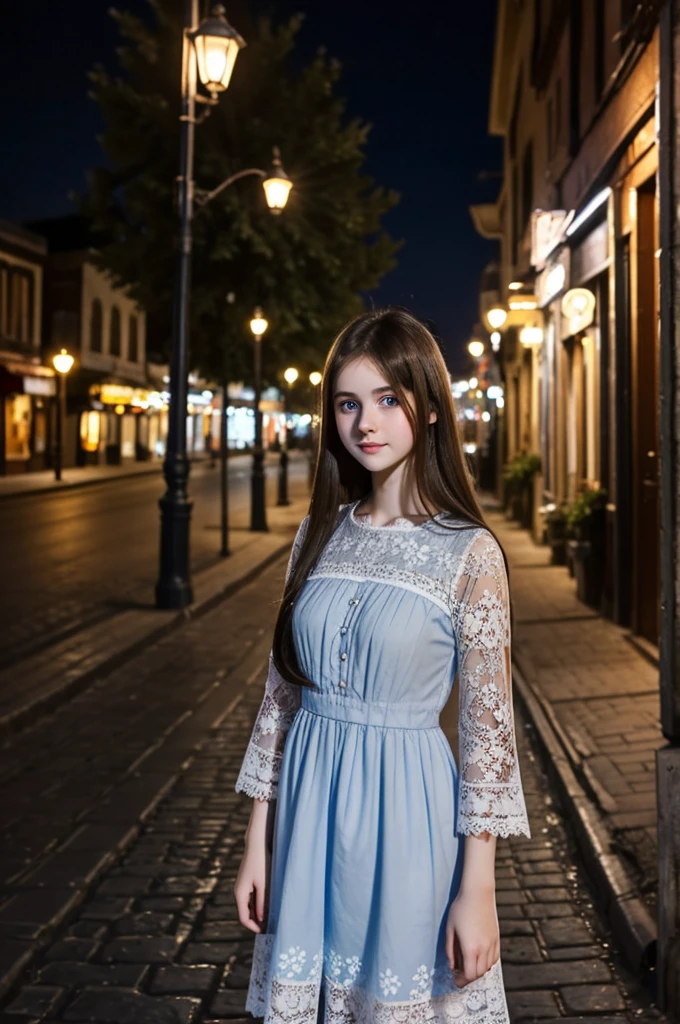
<point>213,594</point>
<point>628,917</point>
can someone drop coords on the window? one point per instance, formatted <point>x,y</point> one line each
<point>96,326</point>
<point>114,340</point>
<point>16,304</point>
<point>133,343</point>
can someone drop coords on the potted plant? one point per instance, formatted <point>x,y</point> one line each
<point>586,521</point>
<point>556,529</point>
<point>519,475</point>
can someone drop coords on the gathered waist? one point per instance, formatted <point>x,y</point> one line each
<point>382,715</point>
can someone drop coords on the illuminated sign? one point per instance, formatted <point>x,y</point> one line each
<point>578,308</point>
<point>546,234</point>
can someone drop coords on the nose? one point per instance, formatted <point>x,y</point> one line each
<point>366,423</point>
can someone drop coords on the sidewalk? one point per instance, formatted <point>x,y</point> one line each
<point>594,701</point>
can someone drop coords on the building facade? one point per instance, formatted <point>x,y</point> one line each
<point>574,97</point>
<point>27,384</point>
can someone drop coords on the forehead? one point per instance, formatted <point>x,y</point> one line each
<point>362,373</point>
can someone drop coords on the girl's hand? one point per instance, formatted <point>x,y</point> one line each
<point>473,943</point>
<point>252,882</point>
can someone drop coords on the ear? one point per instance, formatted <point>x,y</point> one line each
<point>433,416</point>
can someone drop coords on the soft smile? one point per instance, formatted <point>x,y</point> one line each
<point>370,446</point>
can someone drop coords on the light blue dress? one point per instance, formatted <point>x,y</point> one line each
<point>372,808</point>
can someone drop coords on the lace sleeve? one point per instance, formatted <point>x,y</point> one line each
<point>491,798</point>
<point>259,772</point>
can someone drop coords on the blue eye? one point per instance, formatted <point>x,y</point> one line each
<point>347,401</point>
<point>392,398</point>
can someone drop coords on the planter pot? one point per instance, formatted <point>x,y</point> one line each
<point>589,572</point>
<point>558,552</point>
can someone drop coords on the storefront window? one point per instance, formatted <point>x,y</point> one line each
<point>39,428</point>
<point>89,431</point>
<point>17,428</point>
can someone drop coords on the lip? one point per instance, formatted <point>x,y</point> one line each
<point>373,447</point>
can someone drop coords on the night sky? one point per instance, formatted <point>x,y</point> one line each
<point>420,76</point>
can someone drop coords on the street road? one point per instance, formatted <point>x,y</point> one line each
<point>69,559</point>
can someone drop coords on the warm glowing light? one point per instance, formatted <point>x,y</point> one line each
<point>578,307</point>
<point>528,303</point>
<point>119,410</point>
<point>500,402</point>
<point>258,324</point>
<point>496,338</point>
<point>476,349</point>
<point>531,335</point>
<point>290,375</point>
<point>588,210</point>
<point>277,185</point>
<point>473,382</point>
<point>497,317</point>
<point>63,361</point>
<point>315,377</point>
<point>515,286</point>
<point>479,394</point>
<point>217,45</point>
<point>486,416</point>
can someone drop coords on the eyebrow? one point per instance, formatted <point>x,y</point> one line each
<point>375,391</point>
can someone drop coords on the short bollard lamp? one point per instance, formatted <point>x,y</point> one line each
<point>258,515</point>
<point>63,364</point>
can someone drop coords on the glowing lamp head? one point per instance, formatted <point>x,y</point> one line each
<point>277,185</point>
<point>258,324</point>
<point>476,349</point>
<point>497,317</point>
<point>217,45</point>
<point>290,375</point>
<point>315,377</point>
<point>62,362</point>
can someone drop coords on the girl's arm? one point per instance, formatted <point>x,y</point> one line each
<point>259,777</point>
<point>490,799</point>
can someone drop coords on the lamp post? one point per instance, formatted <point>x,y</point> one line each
<point>290,375</point>
<point>209,51</point>
<point>258,517</point>
<point>63,362</point>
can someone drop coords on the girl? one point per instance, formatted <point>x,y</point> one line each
<point>379,895</point>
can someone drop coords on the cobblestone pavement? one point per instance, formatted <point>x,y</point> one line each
<point>157,939</point>
<point>604,695</point>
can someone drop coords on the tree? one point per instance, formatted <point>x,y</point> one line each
<point>306,267</point>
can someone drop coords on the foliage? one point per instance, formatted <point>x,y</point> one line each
<point>307,266</point>
<point>589,502</point>
<point>520,471</point>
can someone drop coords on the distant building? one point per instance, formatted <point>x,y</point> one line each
<point>27,385</point>
<point>112,413</point>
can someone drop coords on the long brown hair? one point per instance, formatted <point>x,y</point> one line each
<point>411,360</point>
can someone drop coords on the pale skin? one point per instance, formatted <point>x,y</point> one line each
<point>367,409</point>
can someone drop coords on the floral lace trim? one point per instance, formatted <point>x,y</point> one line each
<point>491,796</point>
<point>291,996</point>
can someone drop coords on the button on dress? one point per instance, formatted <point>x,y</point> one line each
<point>372,808</point>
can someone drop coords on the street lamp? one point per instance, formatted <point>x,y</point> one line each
<point>63,363</point>
<point>476,349</point>
<point>209,51</point>
<point>496,317</point>
<point>258,518</point>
